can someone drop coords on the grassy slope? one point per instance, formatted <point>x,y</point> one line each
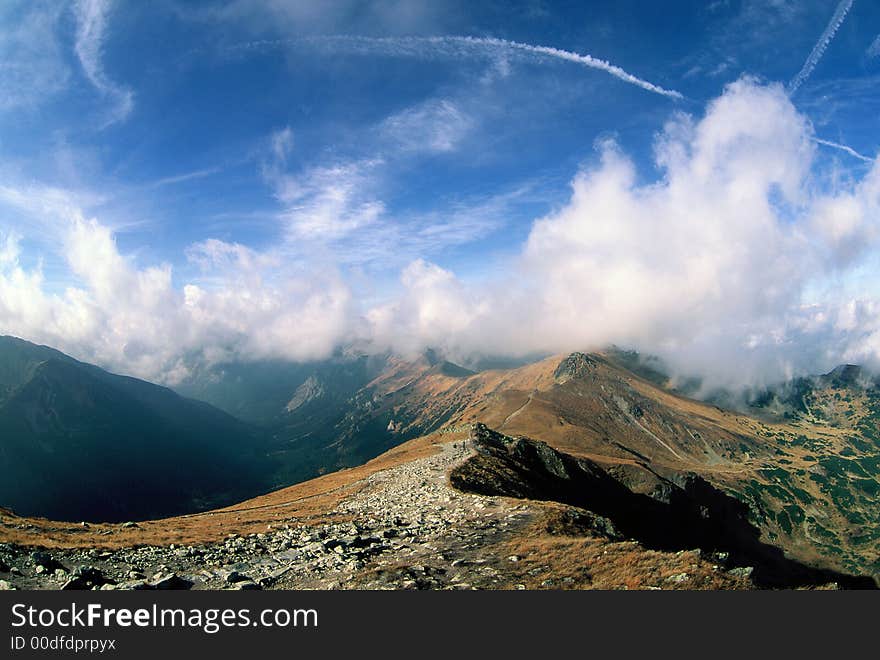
<point>810,481</point>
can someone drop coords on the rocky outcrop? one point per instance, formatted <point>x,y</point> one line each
<point>310,390</point>
<point>680,510</point>
<point>576,365</point>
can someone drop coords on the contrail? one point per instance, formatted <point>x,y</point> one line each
<point>585,60</point>
<point>819,49</point>
<point>458,45</point>
<point>852,152</point>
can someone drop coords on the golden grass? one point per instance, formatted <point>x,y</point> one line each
<point>553,556</point>
<point>311,502</point>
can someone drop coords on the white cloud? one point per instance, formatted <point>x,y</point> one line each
<point>434,310</point>
<point>281,142</point>
<point>326,203</point>
<point>137,320</point>
<point>844,148</point>
<point>710,266</point>
<point>91,24</point>
<point>32,66</point>
<point>437,125</point>
<point>182,178</point>
<point>741,263</point>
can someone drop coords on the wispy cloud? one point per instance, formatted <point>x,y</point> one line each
<point>91,24</point>
<point>874,49</point>
<point>463,46</point>
<point>842,147</point>
<point>819,49</point>
<point>326,203</point>
<point>182,178</point>
<point>281,143</point>
<point>32,67</point>
<point>436,125</point>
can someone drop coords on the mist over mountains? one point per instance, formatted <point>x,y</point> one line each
<point>79,443</point>
<point>742,264</point>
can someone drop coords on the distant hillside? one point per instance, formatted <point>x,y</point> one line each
<point>803,458</point>
<point>77,442</point>
<point>262,392</point>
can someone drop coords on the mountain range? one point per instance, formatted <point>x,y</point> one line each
<point>794,467</point>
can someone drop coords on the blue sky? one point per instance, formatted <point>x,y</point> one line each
<point>329,159</point>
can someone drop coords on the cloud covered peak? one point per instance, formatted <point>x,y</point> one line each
<point>744,260</point>
<point>721,265</point>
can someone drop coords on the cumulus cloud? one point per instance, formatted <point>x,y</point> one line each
<point>91,25</point>
<point>711,266</point>
<point>741,262</point>
<point>138,320</point>
<point>434,310</point>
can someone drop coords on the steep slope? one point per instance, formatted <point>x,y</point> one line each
<point>809,478</point>
<point>273,393</point>
<point>79,443</point>
<point>302,408</point>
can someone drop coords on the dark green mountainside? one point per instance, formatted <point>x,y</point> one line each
<point>77,442</point>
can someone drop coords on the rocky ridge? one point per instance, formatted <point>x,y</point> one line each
<point>404,528</point>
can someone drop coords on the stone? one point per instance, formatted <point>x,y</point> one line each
<point>172,581</point>
<point>76,584</point>
<point>134,585</point>
<point>678,578</point>
<point>86,577</point>
<point>90,573</point>
<point>45,560</point>
<point>234,576</point>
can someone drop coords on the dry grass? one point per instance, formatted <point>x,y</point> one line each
<point>555,555</point>
<point>310,502</point>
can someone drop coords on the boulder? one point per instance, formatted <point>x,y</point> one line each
<point>172,581</point>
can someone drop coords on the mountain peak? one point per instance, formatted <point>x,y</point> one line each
<point>576,365</point>
<point>846,374</point>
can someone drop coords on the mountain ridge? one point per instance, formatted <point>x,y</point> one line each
<point>808,481</point>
